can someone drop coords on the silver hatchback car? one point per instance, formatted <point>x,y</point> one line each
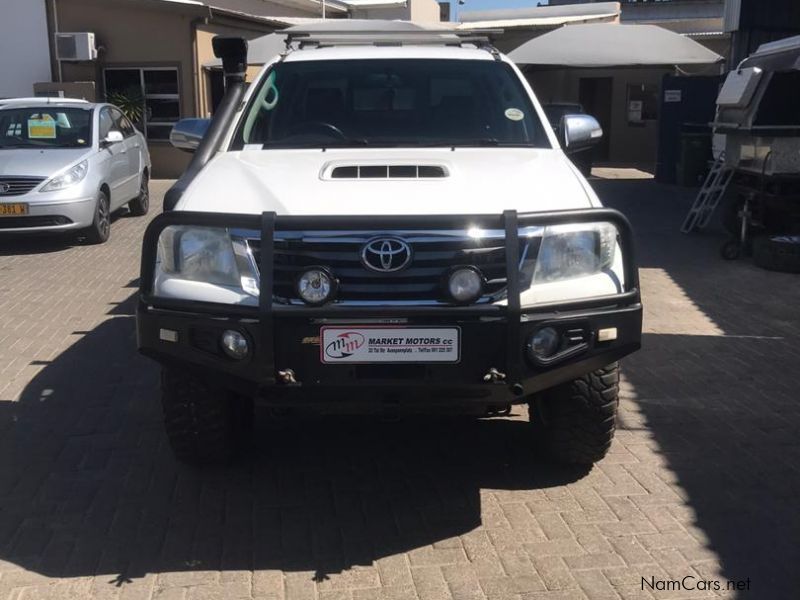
<point>67,165</point>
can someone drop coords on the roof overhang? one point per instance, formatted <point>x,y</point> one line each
<point>540,16</point>
<point>609,45</point>
<point>537,22</point>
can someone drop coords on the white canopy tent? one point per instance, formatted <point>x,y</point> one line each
<point>610,45</point>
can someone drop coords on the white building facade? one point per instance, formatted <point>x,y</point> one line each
<point>24,46</point>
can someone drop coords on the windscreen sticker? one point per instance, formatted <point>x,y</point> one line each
<point>43,128</point>
<point>514,114</point>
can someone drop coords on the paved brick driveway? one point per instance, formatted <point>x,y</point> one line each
<point>702,481</point>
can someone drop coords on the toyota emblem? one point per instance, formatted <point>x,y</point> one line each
<point>386,254</point>
<point>4,188</point>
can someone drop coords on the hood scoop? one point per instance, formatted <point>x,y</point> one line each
<point>386,172</point>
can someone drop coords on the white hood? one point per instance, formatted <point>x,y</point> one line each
<point>478,181</point>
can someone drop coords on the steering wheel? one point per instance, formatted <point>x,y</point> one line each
<point>317,127</point>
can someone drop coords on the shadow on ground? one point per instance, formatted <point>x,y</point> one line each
<point>722,405</point>
<point>21,243</point>
<point>88,484</point>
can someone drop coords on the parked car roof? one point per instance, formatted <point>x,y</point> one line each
<point>35,101</point>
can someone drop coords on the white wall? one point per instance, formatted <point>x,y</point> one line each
<point>424,11</point>
<point>24,47</point>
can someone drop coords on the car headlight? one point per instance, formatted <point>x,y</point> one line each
<point>205,255</point>
<point>68,178</point>
<point>570,251</point>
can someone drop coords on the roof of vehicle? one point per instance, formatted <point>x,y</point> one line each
<point>45,101</point>
<point>776,56</point>
<point>363,51</point>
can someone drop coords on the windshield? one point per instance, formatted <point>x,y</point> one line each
<point>45,127</point>
<point>312,104</point>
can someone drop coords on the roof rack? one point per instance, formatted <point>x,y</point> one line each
<point>392,37</point>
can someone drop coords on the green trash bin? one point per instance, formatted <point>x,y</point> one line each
<point>695,156</point>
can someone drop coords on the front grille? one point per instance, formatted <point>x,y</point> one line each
<point>434,255</point>
<point>35,221</point>
<point>16,186</point>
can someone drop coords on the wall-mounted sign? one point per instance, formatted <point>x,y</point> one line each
<point>635,111</point>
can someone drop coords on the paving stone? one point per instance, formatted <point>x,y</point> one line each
<point>701,480</point>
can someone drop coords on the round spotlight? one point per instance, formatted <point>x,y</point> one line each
<point>544,343</point>
<point>465,285</point>
<point>234,344</point>
<point>316,286</point>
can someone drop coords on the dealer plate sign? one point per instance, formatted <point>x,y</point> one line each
<point>390,345</point>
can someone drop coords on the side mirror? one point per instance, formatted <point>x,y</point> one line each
<point>578,132</point>
<point>112,138</point>
<point>187,134</point>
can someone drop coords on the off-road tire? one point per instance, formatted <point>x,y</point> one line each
<point>100,229</point>
<point>141,204</point>
<point>777,253</point>
<point>575,421</point>
<point>205,424</point>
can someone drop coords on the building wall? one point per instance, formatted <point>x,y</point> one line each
<point>628,143</point>
<point>415,10</point>
<point>278,8</point>
<point>146,33</point>
<point>131,34</point>
<point>425,11</point>
<point>23,36</point>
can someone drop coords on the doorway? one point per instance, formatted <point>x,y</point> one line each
<point>594,94</point>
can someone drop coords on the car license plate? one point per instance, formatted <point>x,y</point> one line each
<point>13,210</point>
<point>390,345</point>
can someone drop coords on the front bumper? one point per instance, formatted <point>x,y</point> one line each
<point>186,334</point>
<point>57,215</point>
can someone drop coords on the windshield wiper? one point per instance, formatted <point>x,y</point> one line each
<point>475,142</point>
<point>345,143</point>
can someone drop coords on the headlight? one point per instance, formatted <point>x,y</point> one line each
<point>569,251</point>
<point>205,255</point>
<point>68,178</point>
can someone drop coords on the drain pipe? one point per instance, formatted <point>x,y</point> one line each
<point>233,52</point>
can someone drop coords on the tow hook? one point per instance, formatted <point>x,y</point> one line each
<point>494,376</point>
<point>287,376</point>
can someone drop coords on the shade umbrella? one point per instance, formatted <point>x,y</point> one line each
<point>610,45</point>
<point>263,49</point>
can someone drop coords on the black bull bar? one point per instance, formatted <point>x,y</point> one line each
<point>264,316</point>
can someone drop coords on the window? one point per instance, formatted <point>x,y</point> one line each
<point>106,124</point>
<point>154,91</point>
<point>393,102</point>
<point>778,107</point>
<point>121,123</point>
<point>642,103</point>
<point>45,127</point>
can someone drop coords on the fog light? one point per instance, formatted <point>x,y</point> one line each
<point>544,343</point>
<point>465,285</point>
<point>316,286</point>
<point>234,344</point>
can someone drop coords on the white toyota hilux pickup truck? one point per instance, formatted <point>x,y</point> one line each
<point>373,228</point>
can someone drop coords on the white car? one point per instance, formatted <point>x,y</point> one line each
<point>375,228</point>
<point>67,165</point>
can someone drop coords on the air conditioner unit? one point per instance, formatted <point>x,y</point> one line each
<point>75,46</point>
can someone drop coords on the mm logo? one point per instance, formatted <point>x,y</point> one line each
<point>345,344</point>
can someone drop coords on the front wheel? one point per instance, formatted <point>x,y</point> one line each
<point>575,421</point>
<point>141,204</point>
<point>204,424</point>
<point>100,229</point>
